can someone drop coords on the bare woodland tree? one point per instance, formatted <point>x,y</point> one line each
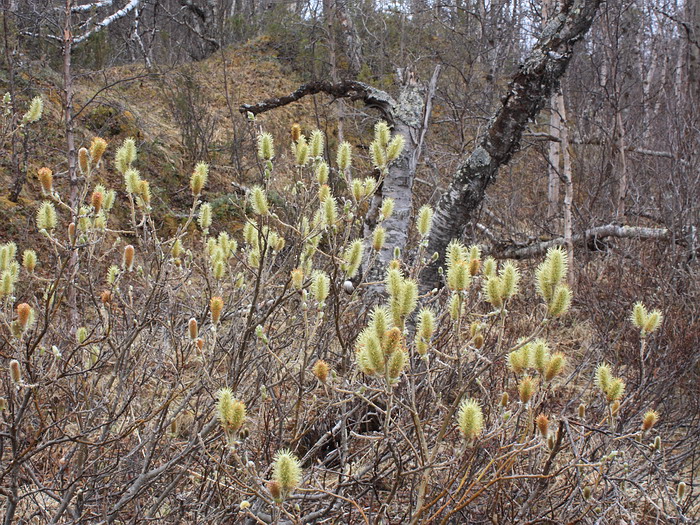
<point>527,93</point>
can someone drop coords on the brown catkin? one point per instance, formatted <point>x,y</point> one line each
<point>46,179</point>
<point>96,200</point>
<point>542,422</point>
<point>192,328</point>
<point>320,370</point>
<point>83,160</point>
<point>15,371</point>
<point>97,149</point>
<point>24,311</point>
<point>128,257</point>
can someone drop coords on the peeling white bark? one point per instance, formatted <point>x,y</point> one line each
<point>599,232</point>
<point>107,21</point>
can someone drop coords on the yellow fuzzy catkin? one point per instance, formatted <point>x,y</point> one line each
<point>603,377</point>
<point>199,177</point>
<point>616,390</point>
<point>330,211</point>
<point>322,173</point>
<point>377,155</point>
<point>639,315</point>
<point>493,291</point>
<point>125,156</point>
<point>549,276</point>
<point>46,216</point>
<point>353,258</point>
<point>316,144</point>
<point>382,133</point>
<point>320,285</point>
<point>258,201</point>
<point>301,152</point>
<point>286,471</point>
<point>36,109</point>
<point>510,280</point>
<point>297,276</point>
<point>266,146</point>
<point>344,156</point>
<point>205,217</point>
<point>231,411</point>
<point>378,238</point>
<point>395,147</point>
<point>396,363</point>
<point>425,220</point>
<point>29,259</point>
<point>561,301</point>
<point>132,181</point>
<point>387,208</point>
<point>612,387</point>
<point>647,322</point>
<point>324,191</point>
<point>470,419</point>
<point>555,366</point>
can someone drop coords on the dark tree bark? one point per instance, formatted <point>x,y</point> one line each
<point>531,87</point>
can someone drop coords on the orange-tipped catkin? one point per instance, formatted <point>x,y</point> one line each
<point>24,312</point>
<point>216,305</point>
<point>97,149</point>
<point>296,132</point>
<point>96,200</point>
<point>46,179</point>
<point>106,297</point>
<point>321,370</point>
<point>542,422</point>
<point>192,328</point>
<point>649,420</point>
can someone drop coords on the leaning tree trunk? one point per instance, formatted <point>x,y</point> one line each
<point>531,87</point>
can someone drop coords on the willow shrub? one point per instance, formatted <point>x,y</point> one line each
<point>215,375</point>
